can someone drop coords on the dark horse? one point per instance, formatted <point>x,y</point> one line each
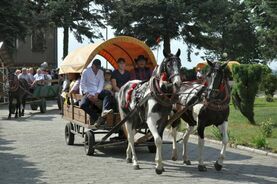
<point>214,110</point>
<point>17,90</point>
<point>155,110</point>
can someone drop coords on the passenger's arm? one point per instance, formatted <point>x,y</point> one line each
<point>114,84</point>
<point>83,83</point>
<point>101,83</point>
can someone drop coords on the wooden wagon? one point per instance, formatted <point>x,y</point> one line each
<point>79,122</point>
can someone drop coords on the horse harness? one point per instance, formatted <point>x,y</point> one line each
<point>217,104</point>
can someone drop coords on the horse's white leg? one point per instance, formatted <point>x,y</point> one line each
<point>185,145</point>
<point>223,129</point>
<point>200,131</point>
<point>151,122</point>
<point>174,156</point>
<point>131,145</point>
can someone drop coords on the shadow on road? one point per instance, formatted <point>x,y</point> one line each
<point>14,168</point>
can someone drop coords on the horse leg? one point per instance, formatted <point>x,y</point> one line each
<point>16,109</point>
<point>223,129</point>
<point>151,122</point>
<point>185,145</point>
<point>10,107</point>
<point>131,135</point>
<point>23,106</point>
<point>174,155</point>
<point>200,130</point>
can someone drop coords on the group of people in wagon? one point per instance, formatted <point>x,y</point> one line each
<point>99,85</point>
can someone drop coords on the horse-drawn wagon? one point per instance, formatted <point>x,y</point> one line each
<point>79,122</point>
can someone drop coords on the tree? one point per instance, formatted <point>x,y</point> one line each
<point>247,78</point>
<point>78,16</point>
<point>222,26</point>
<point>264,17</point>
<point>146,20</point>
<point>13,21</point>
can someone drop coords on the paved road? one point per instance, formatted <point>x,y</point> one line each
<point>32,150</point>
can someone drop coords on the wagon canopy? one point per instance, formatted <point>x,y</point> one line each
<point>119,47</point>
<point>203,64</point>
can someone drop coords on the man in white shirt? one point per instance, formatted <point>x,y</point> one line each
<point>91,85</point>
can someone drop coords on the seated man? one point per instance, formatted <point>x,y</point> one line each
<point>120,76</point>
<point>141,72</point>
<point>24,75</point>
<point>92,82</point>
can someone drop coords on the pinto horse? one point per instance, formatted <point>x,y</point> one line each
<point>17,90</point>
<point>155,110</point>
<point>214,110</point>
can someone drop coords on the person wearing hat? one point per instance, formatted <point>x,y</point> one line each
<point>120,76</point>
<point>108,84</point>
<point>91,86</point>
<point>141,72</point>
<point>199,74</point>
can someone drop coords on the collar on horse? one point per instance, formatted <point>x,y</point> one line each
<point>218,104</point>
<point>163,98</point>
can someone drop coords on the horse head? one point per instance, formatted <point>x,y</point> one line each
<point>217,76</point>
<point>169,70</point>
<point>13,82</point>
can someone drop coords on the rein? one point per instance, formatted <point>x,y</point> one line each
<point>219,105</point>
<point>161,97</point>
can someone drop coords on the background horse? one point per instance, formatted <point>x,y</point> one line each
<point>214,110</point>
<point>161,91</point>
<point>17,90</point>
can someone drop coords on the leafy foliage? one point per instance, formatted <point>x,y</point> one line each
<point>269,85</point>
<point>267,128</point>
<point>260,142</point>
<point>263,16</point>
<point>247,78</point>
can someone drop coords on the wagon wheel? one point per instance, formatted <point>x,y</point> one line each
<point>151,148</point>
<point>42,106</point>
<point>69,136</point>
<point>89,143</point>
<point>34,107</point>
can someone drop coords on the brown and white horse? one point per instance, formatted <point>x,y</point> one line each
<point>155,110</point>
<point>214,110</point>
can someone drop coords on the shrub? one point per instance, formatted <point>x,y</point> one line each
<point>267,128</point>
<point>269,86</point>
<point>260,142</point>
<point>247,78</point>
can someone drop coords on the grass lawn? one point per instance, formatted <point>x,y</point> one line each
<point>242,132</point>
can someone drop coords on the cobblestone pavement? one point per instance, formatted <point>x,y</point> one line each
<point>33,150</point>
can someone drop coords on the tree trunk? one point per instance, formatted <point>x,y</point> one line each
<point>65,41</point>
<point>167,44</point>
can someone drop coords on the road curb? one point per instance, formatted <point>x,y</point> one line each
<point>240,147</point>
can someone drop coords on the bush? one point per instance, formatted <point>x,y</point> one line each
<point>267,128</point>
<point>247,78</point>
<point>260,142</point>
<point>269,86</point>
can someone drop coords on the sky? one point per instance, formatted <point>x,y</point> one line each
<point>175,44</point>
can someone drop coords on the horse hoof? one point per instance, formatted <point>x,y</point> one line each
<point>174,158</point>
<point>129,160</point>
<point>136,167</point>
<point>202,168</point>
<point>187,162</point>
<point>159,171</point>
<point>217,166</point>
